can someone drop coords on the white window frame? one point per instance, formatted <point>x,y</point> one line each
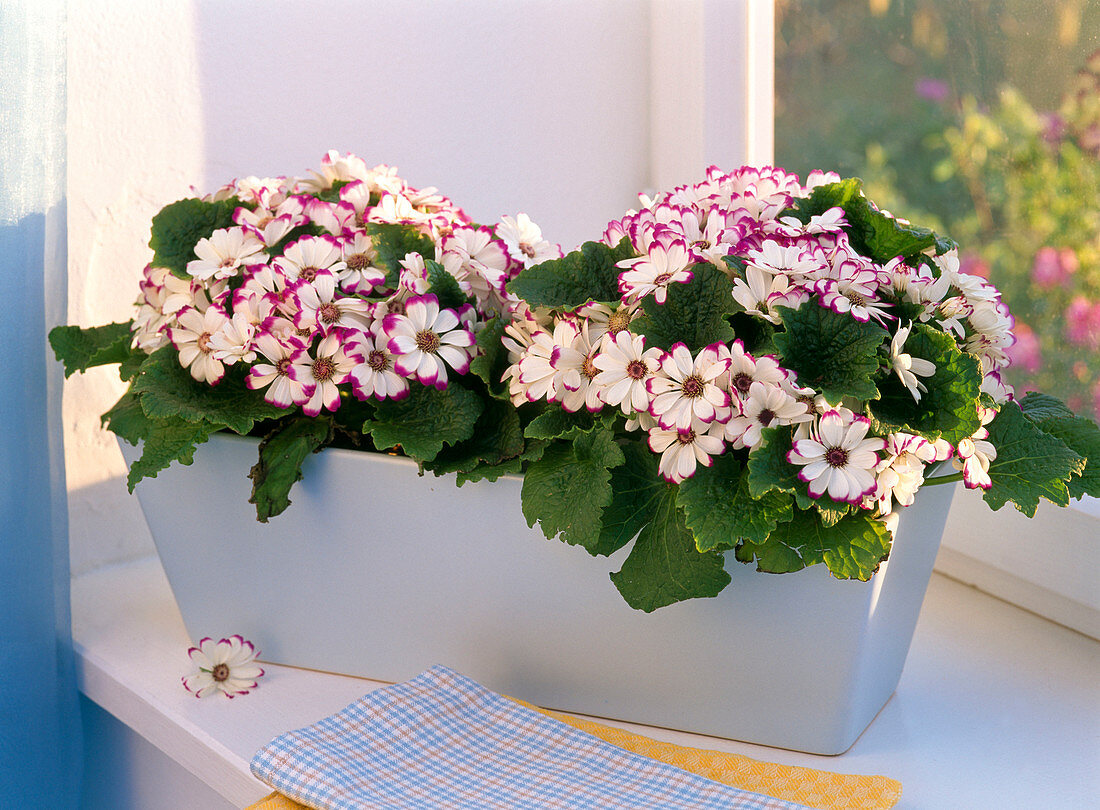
<point>712,102</point>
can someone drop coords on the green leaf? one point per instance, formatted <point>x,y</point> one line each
<point>1079,434</point>
<point>556,423</point>
<point>513,466</point>
<point>833,353</point>
<point>587,274</point>
<point>949,409</point>
<point>443,286</point>
<point>1040,407</point>
<point>1030,463</point>
<point>769,471</point>
<point>851,549</point>
<point>127,420</point>
<point>637,489</point>
<point>694,313</point>
<point>392,242</point>
<point>131,366</point>
<point>492,359</point>
<point>756,334</point>
<point>720,511</point>
<point>567,489</point>
<point>664,566</point>
<point>168,391</point>
<point>871,232</point>
<point>497,437</point>
<point>81,349</point>
<point>768,468</point>
<point>425,420</point>
<point>178,227</point>
<point>280,463</point>
<point>167,440</point>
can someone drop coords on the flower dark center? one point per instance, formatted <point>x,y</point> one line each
<point>323,368</point>
<point>427,341</point>
<point>662,279</point>
<point>307,273</point>
<point>228,262</point>
<point>742,382</point>
<point>836,456</point>
<point>283,366</point>
<point>220,673</point>
<point>692,387</point>
<point>685,436</point>
<point>807,400</point>
<point>766,417</point>
<point>527,250</point>
<point>204,342</point>
<point>587,368</point>
<point>377,360</point>
<point>357,261</point>
<point>856,299</point>
<point>702,244</point>
<point>636,370</point>
<point>618,321</point>
<point>329,313</point>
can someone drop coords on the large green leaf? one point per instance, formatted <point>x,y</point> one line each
<point>637,489</point>
<point>81,349</point>
<point>1039,407</point>
<point>719,509</point>
<point>168,391</point>
<point>832,352</point>
<point>167,440</point>
<point>695,313</point>
<point>949,408</point>
<point>392,242</point>
<point>280,463</point>
<point>1080,434</point>
<point>587,274</point>
<point>492,358</point>
<point>871,232</point>
<point>127,420</point>
<point>178,227</point>
<point>532,451</point>
<point>1030,463</point>
<point>497,437</point>
<point>425,420</point>
<point>664,566</point>
<point>768,468</point>
<point>443,286</point>
<point>853,548</point>
<point>567,489</point>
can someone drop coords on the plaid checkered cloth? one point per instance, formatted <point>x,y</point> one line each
<point>443,741</point>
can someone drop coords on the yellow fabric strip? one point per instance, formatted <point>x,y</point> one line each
<point>820,789</point>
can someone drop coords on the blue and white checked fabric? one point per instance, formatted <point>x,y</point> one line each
<point>444,742</point>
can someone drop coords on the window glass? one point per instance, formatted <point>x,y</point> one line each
<point>981,120</point>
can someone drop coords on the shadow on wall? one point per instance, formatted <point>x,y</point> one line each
<point>111,528</point>
<point>541,106</point>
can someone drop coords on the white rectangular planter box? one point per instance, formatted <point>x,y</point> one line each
<point>378,572</point>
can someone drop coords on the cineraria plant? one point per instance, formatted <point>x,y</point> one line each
<point>746,365</point>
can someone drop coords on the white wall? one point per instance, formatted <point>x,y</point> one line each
<point>504,105</point>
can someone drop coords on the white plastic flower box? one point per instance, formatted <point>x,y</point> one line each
<point>378,572</point>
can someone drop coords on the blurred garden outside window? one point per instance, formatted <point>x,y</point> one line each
<point>980,120</point>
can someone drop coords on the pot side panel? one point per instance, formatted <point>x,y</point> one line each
<point>378,572</point>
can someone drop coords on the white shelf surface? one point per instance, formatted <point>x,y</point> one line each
<point>997,707</point>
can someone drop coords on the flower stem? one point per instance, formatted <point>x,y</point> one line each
<point>944,479</point>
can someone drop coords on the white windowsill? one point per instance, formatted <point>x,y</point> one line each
<point>996,708</point>
<point>1046,565</point>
